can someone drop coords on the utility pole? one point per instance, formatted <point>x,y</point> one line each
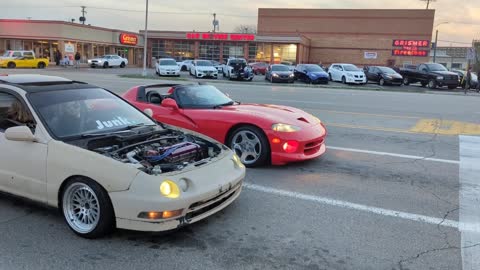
<point>83,19</point>
<point>144,72</point>
<point>435,48</point>
<point>428,2</point>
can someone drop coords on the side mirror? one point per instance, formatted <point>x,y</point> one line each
<point>148,112</point>
<point>20,133</point>
<point>170,103</point>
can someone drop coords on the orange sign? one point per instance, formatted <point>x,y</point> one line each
<point>128,39</point>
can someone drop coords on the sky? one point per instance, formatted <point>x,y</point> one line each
<point>463,16</point>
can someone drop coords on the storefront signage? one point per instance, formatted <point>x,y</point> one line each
<point>370,55</point>
<point>69,48</point>
<point>221,36</point>
<point>410,47</point>
<point>128,39</point>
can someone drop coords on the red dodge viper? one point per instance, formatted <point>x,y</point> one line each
<point>258,133</point>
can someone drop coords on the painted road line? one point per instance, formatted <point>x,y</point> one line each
<point>470,201</point>
<point>396,130</point>
<point>393,155</point>
<point>446,127</point>
<point>354,206</point>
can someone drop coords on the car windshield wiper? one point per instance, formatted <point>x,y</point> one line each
<point>123,130</point>
<point>230,103</point>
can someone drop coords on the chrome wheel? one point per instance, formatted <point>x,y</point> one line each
<point>247,146</point>
<point>81,208</point>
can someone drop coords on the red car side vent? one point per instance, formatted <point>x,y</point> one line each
<point>303,119</point>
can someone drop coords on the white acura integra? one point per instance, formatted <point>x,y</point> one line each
<point>105,164</point>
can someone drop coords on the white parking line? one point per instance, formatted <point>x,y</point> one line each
<point>393,155</point>
<point>469,201</point>
<point>354,206</point>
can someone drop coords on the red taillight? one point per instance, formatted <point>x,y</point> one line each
<point>290,146</point>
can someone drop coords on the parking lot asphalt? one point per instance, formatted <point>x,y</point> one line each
<point>384,196</point>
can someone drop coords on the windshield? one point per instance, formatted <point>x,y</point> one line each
<point>436,67</point>
<point>350,68</point>
<point>204,63</point>
<point>280,68</point>
<point>387,70</point>
<point>201,96</point>
<point>70,113</point>
<point>7,54</point>
<point>314,68</point>
<point>168,63</point>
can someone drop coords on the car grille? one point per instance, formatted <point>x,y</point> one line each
<point>313,147</point>
<point>94,61</point>
<point>205,206</point>
<point>451,77</point>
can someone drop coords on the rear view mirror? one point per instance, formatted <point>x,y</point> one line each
<point>170,103</point>
<point>20,133</point>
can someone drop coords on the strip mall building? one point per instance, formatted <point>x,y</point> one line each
<point>362,37</point>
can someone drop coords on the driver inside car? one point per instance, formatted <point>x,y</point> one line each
<point>17,115</point>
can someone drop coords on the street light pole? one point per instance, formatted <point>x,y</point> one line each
<point>144,72</point>
<point>434,49</point>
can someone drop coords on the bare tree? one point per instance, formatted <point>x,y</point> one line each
<point>245,29</point>
<point>428,2</point>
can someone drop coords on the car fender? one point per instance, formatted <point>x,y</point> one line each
<point>65,160</point>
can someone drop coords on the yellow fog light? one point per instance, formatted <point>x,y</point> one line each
<point>169,189</point>
<point>237,161</point>
<point>160,215</point>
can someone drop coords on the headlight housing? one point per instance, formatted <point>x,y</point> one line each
<point>291,75</point>
<point>349,75</point>
<point>237,161</point>
<point>169,189</point>
<point>275,75</point>
<point>317,120</point>
<point>440,78</point>
<point>285,128</point>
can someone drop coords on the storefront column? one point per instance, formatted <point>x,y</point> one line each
<point>245,51</point>
<point>272,55</point>
<point>61,47</point>
<point>221,52</point>
<point>196,53</point>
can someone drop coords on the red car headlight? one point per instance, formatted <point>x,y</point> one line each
<point>290,146</point>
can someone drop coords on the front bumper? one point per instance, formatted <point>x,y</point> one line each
<point>207,75</point>
<point>319,80</point>
<point>449,83</point>
<point>356,80</point>
<point>169,72</point>
<point>207,194</point>
<point>241,76</point>
<point>311,144</point>
<point>283,79</point>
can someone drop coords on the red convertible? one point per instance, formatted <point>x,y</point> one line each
<point>258,133</point>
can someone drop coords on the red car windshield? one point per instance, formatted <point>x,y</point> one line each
<point>203,96</point>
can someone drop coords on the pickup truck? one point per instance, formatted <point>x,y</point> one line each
<point>237,68</point>
<point>22,59</point>
<point>431,74</point>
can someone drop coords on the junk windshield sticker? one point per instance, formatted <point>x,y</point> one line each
<point>116,122</point>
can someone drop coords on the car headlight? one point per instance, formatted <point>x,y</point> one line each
<point>275,75</point>
<point>291,75</point>
<point>439,77</point>
<point>169,189</point>
<point>237,161</point>
<point>100,61</point>
<point>349,75</point>
<point>388,77</point>
<point>285,128</point>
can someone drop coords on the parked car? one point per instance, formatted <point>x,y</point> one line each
<point>167,67</point>
<point>237,68</point>
<point>22,59</point>
<point>311,73</point>
<point>346,73</point>
<point>185,66</point>
<point>106,164</point>
<point>289,64</point>
<point>279,73</point>
<point>217,65</point>
<point>431,74</point>
<point>106,61</point>
<point>203,69</point>
<point>461,74</point>
<point>259,68</point>
<point>383,75</point>
<point>259,134</point>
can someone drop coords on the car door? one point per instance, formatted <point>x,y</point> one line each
<point>22,164</point>
<point>335,70</point>
<point>423,73</point>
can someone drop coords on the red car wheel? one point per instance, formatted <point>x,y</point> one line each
<point>250,144</point>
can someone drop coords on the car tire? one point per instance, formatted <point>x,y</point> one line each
<point>105,65</point>
<point>41,65</point>
<point>87,195</point>
<point>424,84</point>
<point>122,65</point>
<point>252,137</point>
<point>344,80</point>
<point>406,81</point>
<point>381,82</point>
<point>11,65</point>
<point>432,84</point>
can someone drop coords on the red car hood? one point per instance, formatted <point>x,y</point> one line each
<point>275,113</point>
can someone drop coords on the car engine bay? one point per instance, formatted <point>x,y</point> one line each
<point>165,151</point>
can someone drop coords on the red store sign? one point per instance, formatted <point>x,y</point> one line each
<point>128,39</point>
<point>220,36</point>
<point>411,47</point>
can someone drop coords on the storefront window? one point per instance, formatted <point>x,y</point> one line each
<point>179,50</point>
<point>210,51</point>
<point>232,50</point>
<point>282,53</point>
<point>259,52</point>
